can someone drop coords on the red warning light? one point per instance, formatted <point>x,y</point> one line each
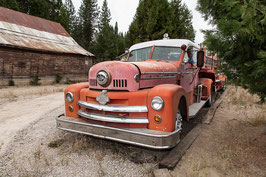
<point>183,47</point>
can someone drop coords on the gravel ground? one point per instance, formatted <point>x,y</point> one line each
<point>37,148</point>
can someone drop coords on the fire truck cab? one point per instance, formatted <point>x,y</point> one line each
<point>144,100</point>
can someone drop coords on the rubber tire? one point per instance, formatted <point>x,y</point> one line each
<point>211,98</point>
<point>182,112</point>
<point>178,116</point>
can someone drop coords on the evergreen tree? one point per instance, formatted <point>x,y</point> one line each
<point>239,39</point>
<point>88,14</point>
<point>10,4</point>
<point>48,9</point>
<point>153,18</point>
<point>116,28</point>
<point>71,14</point>
<point>108,44</point>
<point>181,21</point>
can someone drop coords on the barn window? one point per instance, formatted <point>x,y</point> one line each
<point>86,62</point>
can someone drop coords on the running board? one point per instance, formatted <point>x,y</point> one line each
<point>195,108</point>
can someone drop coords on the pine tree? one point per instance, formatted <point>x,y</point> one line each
<point>48,9</point>
<point>116,28</point>
<point>88,14</point>
<point>108,44</point>
<point>153,18</point>
<point>71,14</point>
<point>239,39</point>
<point>181,21</point>
<point>10,4</point>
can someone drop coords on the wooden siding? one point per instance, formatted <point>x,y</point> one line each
<point>22,63</point>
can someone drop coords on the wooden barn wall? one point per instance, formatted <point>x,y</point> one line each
<point>22,63</point>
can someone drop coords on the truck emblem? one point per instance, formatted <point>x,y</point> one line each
<point>103,98</point>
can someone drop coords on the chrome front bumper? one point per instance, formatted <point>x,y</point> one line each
<point>136,136</point>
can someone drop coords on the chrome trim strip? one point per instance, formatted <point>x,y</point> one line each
<point>145,138</point>
<point>165,77</point>
<point>114,119</point>
<point>113,108</point>
<point>145,73</point>
<point>188,72</point>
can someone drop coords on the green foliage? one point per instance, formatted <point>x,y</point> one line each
<point>156,17</point>
<point>53,10</point>
<point>58,78</point>
<point>11,4</point>
<point>239,39</point>
<point>88,15</point>
<point>11,83</point>
<point>71,16</point>
<point>56,143</point>
<point>35,80</point>
<point>109,43</point>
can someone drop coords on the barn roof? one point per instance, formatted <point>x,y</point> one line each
<point>28,32</point>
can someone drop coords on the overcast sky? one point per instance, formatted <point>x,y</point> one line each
<point>123,11</point>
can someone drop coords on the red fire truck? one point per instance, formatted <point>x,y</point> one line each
<point>143,100</point>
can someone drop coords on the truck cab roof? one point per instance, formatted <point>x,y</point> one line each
<point>164,43</point>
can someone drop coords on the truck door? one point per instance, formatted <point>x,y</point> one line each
<point>189,79</point>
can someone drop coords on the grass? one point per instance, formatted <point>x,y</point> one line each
<point>259,120</point>
<point>15,92</point>
<point>56,143</point>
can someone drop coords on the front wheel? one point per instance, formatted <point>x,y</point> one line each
<point>178,123</point>
<point>181,114</point>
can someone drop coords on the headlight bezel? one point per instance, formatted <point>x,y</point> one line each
<point>157,100</point>
<point>107,76</point>
<point>71,96</point>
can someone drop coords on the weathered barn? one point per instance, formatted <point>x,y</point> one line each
<point>32,46</point>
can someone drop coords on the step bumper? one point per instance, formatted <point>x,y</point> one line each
<point>135,136</point>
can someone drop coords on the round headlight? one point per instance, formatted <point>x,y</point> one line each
<point>103,78</point>
<point>69,97</point>
<point>157,103</point>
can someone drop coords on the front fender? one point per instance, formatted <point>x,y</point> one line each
<point>75,89</point>
<point>171,95</point>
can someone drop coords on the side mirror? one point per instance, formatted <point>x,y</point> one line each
<point>200,59</point>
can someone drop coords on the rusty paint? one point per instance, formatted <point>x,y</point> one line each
<point>28,32</point>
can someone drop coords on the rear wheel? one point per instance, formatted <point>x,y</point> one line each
<point>211,98</point>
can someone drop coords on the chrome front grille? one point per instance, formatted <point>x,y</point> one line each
<point>120,83</point>
<point>113,118</point>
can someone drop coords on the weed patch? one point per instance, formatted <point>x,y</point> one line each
<point>56,143</point>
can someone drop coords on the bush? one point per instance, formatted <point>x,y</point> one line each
<point>35,81</point>
<point>11,83</point>
<point>69,81</point>
<point>58,78</point>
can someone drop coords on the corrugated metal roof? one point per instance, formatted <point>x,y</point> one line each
<point>25,31</point>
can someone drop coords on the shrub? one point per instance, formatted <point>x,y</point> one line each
<point>58,78</point>
<point>35,80</point>
<point>11,83</point>
<point>69,81</point>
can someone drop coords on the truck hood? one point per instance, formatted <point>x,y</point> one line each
<point>132,76</point>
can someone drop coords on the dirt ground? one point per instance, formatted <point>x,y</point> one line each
<point>234,144</point>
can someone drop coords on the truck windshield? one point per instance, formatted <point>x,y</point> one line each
<point>140,54</point>
<point>166,53</point>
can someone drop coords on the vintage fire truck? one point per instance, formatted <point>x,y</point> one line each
<point>143,100</point>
